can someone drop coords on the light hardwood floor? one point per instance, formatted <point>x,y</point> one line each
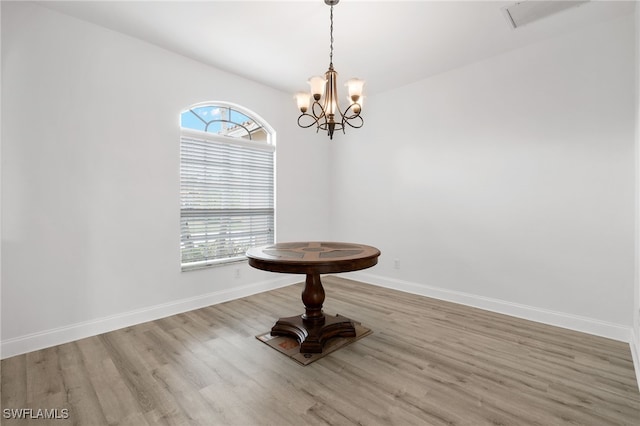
<point>427,362</point>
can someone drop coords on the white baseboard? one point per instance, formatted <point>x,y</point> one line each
<point>560,319</point>
<point>44,339</point>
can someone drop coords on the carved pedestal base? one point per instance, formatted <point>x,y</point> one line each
<point>312,335</point>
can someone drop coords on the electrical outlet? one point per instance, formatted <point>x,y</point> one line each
<point>396,264</point>
<point>237,274</point>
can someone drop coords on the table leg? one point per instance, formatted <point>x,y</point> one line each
<point>313,298</point>
<point>313,328</point>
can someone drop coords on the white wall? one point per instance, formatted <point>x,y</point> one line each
<point>507,184</point>
<point>90,169</point>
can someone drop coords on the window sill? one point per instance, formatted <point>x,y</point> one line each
<point>212,263</point>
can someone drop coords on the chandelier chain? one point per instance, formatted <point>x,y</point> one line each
<point>331,45</point>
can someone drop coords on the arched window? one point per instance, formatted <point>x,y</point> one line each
<point>226,184</point>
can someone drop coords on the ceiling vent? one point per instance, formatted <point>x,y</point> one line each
<point>526,12</point>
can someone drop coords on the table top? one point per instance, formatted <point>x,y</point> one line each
<point>313,257</point>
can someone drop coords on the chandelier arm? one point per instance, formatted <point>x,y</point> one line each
<point>355,125</point>
<point>354,110</point>
<point>317,114</point>
<point>322,113</point>
<point>344,118</point>
<point>314,121</point>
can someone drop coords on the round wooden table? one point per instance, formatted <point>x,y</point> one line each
<point>313,328</point>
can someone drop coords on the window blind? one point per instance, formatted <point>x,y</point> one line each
<point>226,196</point>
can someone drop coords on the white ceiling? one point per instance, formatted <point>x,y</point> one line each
<point>282,43</point>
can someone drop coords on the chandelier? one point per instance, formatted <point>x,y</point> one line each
<point>325,111</point>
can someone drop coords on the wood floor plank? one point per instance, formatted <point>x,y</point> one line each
<point>428,362</point>
<point>139,378</point>
<point>116,401</point>
<point>81,396</point>
<point>14,382</point>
